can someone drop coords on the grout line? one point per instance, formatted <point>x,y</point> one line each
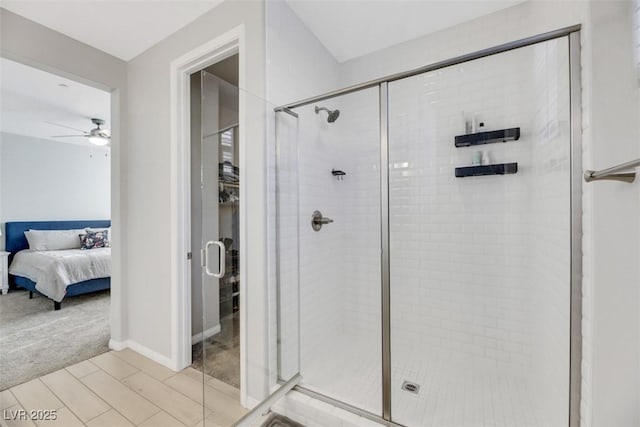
<point>85,386</point>
<point>14,396</point>
<point>82,376</point>
<point>147,419</point>
<point>45,386</point>
<point>125,385</point>
<point>64,405</point>
<point>115,353</point>
<point>102,413</point>
<point>178,391</point>
<point>210,411</point>
<point>153,403</point>
<point>167,379</point>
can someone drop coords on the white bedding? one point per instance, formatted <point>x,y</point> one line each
<point>53,271</point>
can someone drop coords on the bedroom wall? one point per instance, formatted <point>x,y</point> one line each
<point>47,180</point>
<point>33,44</point>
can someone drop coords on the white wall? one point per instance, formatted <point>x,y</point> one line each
<point>35,45</point>
<point>612,215</point>
<point>48,180</point>
<point>150,160</point>
<point>524,20</point>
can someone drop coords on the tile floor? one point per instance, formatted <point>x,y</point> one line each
<point>221,352</point>
<point>123,389</point>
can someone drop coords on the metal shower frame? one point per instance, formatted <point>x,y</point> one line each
<point>575,345</point>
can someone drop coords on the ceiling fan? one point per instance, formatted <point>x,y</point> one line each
<point>97,135</point>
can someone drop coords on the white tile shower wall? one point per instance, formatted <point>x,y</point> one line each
<point>339,265</point>
<point>461,249</point>
<point>359,130</point>
<point>550,250</point>
<point>297,66</point>
<point>320,287</point>
<point>523,20</point>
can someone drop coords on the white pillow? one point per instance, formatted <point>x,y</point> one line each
<point>50,240</point>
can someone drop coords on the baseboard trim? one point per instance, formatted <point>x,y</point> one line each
<point>117,345</point>
<point>145,351</point>
<point>208,333</point>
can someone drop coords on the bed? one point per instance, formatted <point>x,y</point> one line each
<point>16,241</point>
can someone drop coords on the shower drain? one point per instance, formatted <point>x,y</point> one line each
<point>411,387</point>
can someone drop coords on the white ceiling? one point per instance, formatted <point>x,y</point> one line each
<point>124,29</point>
<point>29,98</point>
<point>347,28</point>
<point>352,28</point>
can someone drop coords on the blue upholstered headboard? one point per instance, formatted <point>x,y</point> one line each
<point>14,231</point>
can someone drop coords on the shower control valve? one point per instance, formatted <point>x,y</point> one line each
<point>317,220</point>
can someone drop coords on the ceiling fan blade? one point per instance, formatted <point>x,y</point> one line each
<point>65,126</point>
<point>68,136</point>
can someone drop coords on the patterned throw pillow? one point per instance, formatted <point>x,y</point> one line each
<point>95,240</point>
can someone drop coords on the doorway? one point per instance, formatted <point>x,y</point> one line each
<point>57,128</point>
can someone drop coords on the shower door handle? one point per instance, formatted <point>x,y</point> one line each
<point>221,259</point>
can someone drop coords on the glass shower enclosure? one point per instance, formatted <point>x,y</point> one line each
<point>430,224</point>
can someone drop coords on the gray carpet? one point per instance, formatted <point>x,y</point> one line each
<point>36,340</point>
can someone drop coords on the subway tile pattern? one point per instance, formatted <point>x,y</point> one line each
<point>313,71</point>
<point>515,368</point>
<point>340,265</point>
<point>480,266</point>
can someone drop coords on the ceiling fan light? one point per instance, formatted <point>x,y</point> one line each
<point>98,140</point>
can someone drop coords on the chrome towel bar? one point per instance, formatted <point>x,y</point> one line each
<point>613,173</point>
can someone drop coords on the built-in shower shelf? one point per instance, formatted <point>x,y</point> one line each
<point>497,169</point>
<point>490,137</point>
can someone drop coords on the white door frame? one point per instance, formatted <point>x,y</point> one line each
<point>216,50</point>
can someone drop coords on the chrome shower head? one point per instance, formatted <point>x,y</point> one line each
<point>333,115</point>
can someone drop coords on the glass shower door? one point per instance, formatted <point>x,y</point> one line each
<point>218,231</point>
<point>480,258</point>
<point>338,148</point>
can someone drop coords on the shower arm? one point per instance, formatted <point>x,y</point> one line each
<point>613,173</point>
